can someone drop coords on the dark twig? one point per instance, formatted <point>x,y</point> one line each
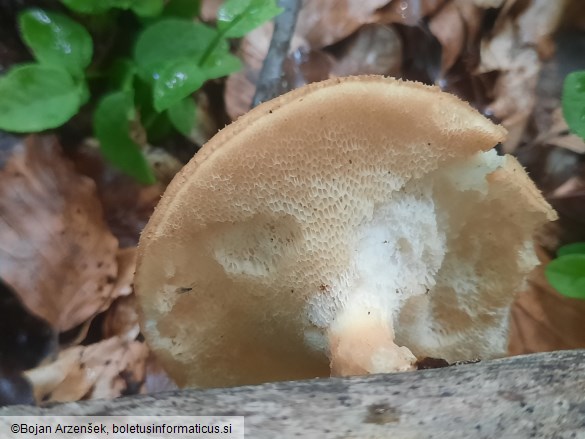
<point>271,82</point>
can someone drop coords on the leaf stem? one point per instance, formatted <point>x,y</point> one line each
<point>220,36</point>
<point>148,121</point>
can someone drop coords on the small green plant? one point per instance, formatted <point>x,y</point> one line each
<point>573,101</point>
<point>566,273</point>
<point>142,88</point>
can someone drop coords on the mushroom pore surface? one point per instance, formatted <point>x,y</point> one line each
<point>346,227</point>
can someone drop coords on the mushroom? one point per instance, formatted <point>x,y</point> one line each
<point>347,227</point>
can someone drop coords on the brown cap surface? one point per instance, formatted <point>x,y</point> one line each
<point>262,240</point>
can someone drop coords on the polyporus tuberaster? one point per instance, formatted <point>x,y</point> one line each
<point>347,227</point>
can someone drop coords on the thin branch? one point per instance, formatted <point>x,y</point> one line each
<point>271,82</point>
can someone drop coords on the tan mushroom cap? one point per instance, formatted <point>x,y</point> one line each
<point>309,233</point>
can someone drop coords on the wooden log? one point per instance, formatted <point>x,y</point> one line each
<point>536,396</point>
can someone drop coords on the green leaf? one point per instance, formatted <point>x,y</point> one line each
<point>113,120</point>
<point>35,97</point>
<point>168,40</point>
<point>571,249</point>
<point>176,81</point>
<point>182,8</point>
<point>143,8</point>
<point>83,91</point>
<point>147,8</point>
<point>143,99</point>
<point>159,127</point>
<point>220,63</point>
<point>87,6</point>
<point>574,102</point>
<point>567,275</point>
<point>182,116</point>
<point>56,40</point>
<point>235,18</point>
<point>121,74</point>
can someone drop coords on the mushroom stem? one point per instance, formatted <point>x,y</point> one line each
<point>361,343</point>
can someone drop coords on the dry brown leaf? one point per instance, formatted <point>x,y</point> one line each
<point>574,186</point>
<point>542,320</point>
<point>559,166</point>
<point>319,24</point>
<point>486,4</point>
<point>75,336</point>
<point>569,141</point>
<point>559,135</point>
<point>574,16</point>
<point>127,204</point>
<point>126,258</point>
<point>209,9</point>
<point>498,52</point>
<point>408,12</point>
<point>556,125</point>
<point>55,248</point>
<point>239,92</point>
<point>448,26</point>
<point>122,319</point>
<point>164,165</point>
<point>103,370</point>
<point>455,26</point>
<point>206,125</point>
<point>537,24</point>
<point>515,88</point>
<point>514,52</point>
<point>374,49</point>
<point>47,378</point>
<point>304,67</point>
<point>509,11</point>
<point>325,22</point>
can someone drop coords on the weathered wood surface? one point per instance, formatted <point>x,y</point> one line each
<point>539,396</point>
